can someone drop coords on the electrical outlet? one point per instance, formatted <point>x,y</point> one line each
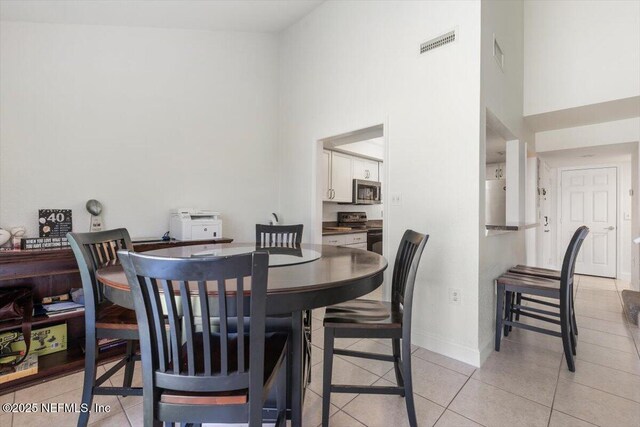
<point>455,296</point>
<point>396,199</point>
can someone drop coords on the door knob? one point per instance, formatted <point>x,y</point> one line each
<point>611,227</point>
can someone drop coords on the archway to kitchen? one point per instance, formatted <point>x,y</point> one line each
<point>351,191</point>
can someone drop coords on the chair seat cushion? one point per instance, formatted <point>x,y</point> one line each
<point>274,347</point>
<point>111,316</point>
<point>522,283</point>
<point>362,313</point>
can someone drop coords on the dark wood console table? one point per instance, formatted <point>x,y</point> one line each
<point>55,272</point>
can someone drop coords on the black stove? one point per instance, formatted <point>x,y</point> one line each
<point>352,219</point>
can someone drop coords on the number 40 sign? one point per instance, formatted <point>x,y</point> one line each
<point>54,222</point>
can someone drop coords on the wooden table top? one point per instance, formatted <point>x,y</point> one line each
<point>337,267</point>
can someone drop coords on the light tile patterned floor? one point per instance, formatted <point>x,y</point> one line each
<point>526,383</point>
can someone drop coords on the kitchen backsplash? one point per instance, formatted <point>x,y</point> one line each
<point>330,210</point>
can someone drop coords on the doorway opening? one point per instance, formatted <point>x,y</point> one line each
<point>351,189</point>
<point>592,187</point>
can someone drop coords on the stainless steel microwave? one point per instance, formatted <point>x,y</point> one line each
<point>366,192</point>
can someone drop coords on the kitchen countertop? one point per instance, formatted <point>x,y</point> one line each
<point>511,227</point>
<point>326,232</point>
<point>372,225</point>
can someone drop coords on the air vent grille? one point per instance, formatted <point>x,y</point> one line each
<point>436,42</point>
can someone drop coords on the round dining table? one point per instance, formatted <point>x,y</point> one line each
<point>300,279</point>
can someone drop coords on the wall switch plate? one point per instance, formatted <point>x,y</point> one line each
<point>396,199</point>
<point>455,296</point>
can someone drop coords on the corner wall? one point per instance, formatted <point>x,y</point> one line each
<point>350,65</point>
<point>502,94</point>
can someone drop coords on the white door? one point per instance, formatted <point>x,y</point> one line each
<point>341,177</point>
<point>589,198</point>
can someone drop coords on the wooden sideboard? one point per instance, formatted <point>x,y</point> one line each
<point>55,272</point>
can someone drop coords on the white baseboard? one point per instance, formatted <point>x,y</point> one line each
<point>465,354</point>
<point>624,276</point>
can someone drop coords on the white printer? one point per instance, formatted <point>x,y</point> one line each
<point>195,224</point>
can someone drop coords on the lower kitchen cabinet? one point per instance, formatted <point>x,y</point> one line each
<point>352,240</point>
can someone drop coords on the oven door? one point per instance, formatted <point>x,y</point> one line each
<point>374,241</point>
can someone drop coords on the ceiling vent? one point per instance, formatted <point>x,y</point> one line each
<point>436,42</point>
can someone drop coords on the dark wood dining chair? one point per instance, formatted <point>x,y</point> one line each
<point>362,318</point>
<point>510,283</point>
<point>278,235</point>
<point>547,274</point>
<point>103,319</point>
<point>286,240</point>
<point>207,368</point>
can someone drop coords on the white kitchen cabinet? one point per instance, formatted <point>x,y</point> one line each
<point>338,172</point>
<point>355,238</point>
<point>341,177</point>
<point>334,239</point>
<point>365,169</point>
<point>496,171</point>
<point>326,176</point>
<point>352,240</point>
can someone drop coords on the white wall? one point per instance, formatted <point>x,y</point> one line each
<point>502,95</point>
<point>144,120</point>
<point>607,133</point>
<point>580,53</point>
<point>350,65</point>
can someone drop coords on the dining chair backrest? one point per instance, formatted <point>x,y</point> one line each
<point>206,355</point>
<point>569,262</point>
<point>278,235</point>
<point>95,250</point>
<point>405,270</point>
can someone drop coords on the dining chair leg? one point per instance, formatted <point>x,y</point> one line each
<point>408,383</point>
<point>499,314</point>
<point>327,369</point>
<point>130,365</point>
<point>89,377</point>
<point>297,374</point>
<point>508,315</point>
<point>281,394</point>
<point>396,362</point>
<point>565,329</point>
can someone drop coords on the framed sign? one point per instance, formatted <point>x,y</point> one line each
<point>54,222</point>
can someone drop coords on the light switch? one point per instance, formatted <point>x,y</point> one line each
<point>396,199</point>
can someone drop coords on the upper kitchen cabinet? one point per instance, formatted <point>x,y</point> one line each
<point>341,177</point>
<point>365,169</point>
<point>338,172</point>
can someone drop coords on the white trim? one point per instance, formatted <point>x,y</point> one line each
<point>619,211</point>
<point>431,342</point>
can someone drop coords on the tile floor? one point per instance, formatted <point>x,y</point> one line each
<point>526,383</point>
